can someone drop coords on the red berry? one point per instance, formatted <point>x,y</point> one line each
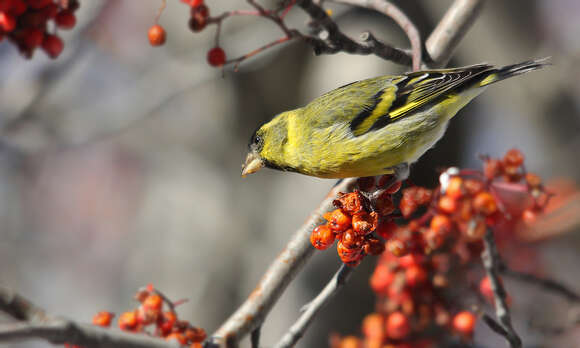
<point>38,4</point>
<point>441,224</point>
<point>128,321</point>
<point>447,205</point>
<point>197,24</point>
<point>200,11</point>
<point>196,3</point>
<point>485,288</point>
<point>455,187</point>
<point>415,275</point>
<point>338,221</point>
<point>364,223</point>
<point>216,56</point>
<point>103,319</point>
<point>514,158</point>
<point>52,45</point>
<point>397,326</point>
<point>65,19</point>
<point>485,203</point>
<point>464,323</point>
<point>5,5</point>
<point>156,35</point>
<point>18,7</point>
<point>373,327</point>
<point>346,254</point>
<point>7,22</point>
<point>373,246</point>
<point>529,216</point>
<point>195,334</point>
<point>33,38</point>
<point>381,279</point>
<point>533,180</point>
<point>386,229</point>
<point>153,302</point>
<point>322,237</point>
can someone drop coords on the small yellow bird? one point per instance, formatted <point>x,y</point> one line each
<point>372,127</point>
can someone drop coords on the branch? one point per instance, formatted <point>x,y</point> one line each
<point>392,11</point>
<point>332,40</point>
<point>451,29</point>
<point>547,284</point>
<point>34,322</point>
<point>491,262</point>
<point>297,330</point>
<point>253,311</point>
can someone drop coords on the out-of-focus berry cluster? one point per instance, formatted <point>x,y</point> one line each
<point>435,253</point>
<point>156,317</point>
<point>31,24</point>
<point>356,223</point>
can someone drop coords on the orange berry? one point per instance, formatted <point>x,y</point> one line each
<point>128,321</point>
<point>195,334</point>
<point>529,216</point>
<point>166,321</point>
<point>473,186</point>
<point>485,203</point>
<point>492,168</point>
<point>441,224</point>
<point>384,204</point>
<point>447,205</point>
<point>434,239</point>
<point>103,319</point>
<point>153,302</point>
<point>156,35</point>
<point>373,246</point>
<point>397,247</point>
<point>464,323</point>
<point>455,187</point>
<point>364,223</point>
<point>485,288</point>
<point>373,327</point>
<point>347,254</point>
<point>351,203</point>
<point>386,228</point>
<point>407,206</point>
<point>513,157</point>
<point>350,342</point>
<point>533,180</point>
<point>415,275</point>
<point>322,237</point>
<point>176,336</point>
<point>338,221</point>
<point>397,326</point>
<point>216,56</point>
<point>410,260</point>
<point>351,240</point>
<point>381,279</point>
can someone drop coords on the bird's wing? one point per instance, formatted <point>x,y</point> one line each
<point>413,91</point>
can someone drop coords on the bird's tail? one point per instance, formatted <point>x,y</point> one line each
<point>508,71</point>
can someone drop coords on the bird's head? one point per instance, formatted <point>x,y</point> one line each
<point>267,146</point>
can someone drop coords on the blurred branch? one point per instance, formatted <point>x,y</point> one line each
<point>297,330</point>
<point>289,262</point>
<point>34,322</point>
<point>546,284</point>
<point>451,28</point>
<point>491,261</point>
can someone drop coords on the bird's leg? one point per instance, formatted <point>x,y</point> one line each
<point>400,173</point>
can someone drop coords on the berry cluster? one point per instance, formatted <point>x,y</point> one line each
<point>434,253</point>
<point>356,223</point>
<point>150,314</point>
<point>25,23</point>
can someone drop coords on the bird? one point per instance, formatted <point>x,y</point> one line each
<point>372,127</point>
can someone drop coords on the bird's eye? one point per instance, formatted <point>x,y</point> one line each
<point>257,140</point>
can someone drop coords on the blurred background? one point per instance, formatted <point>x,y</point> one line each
<point>120,162</point>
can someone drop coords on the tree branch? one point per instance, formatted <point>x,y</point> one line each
<point>448,33</point>
<point>491,262</point>
<point>291,260</point>
<point>547,284</point>
<point>297,330</point>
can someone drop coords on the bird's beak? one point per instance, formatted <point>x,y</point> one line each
<point>253,164</point>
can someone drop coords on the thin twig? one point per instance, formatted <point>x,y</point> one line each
<point>255,337</point>
<point>297,330</point>
<point>451,28</point>
<point>280,273</point>
<point>547,284</point>
<point>392,11</point>
<point>491,261</point>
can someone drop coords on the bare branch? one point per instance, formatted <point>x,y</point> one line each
<point>280,273</point>
<point>491,262</point>
<point>297,330</point>
<point>451,29</point>
<point>33,322</point>
<point>547,284</point>
<point>392,11</point>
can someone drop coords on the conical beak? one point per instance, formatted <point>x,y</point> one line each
<point>252,165</point>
